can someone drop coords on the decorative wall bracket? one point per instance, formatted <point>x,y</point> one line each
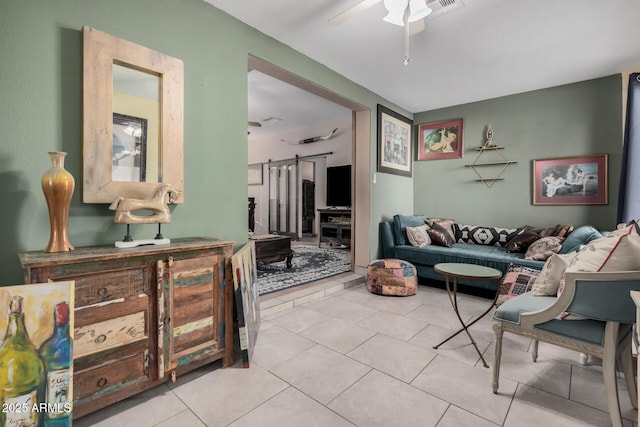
<point>503,163</point>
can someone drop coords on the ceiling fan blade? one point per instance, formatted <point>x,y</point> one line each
<point>255,124</point>
<point>351,12</point>
<point>416,27</point>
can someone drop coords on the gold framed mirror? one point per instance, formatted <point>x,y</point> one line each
<point>132,119</point>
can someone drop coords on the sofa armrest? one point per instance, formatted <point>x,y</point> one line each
<point>387,239</point>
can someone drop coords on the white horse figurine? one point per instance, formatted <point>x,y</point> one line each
<point>157,203</point>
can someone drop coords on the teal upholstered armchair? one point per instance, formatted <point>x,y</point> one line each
<point>603,303</point>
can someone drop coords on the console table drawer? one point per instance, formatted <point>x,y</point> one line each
<point>106,286</point>
<point>110,377</point>
<point>111,333</point>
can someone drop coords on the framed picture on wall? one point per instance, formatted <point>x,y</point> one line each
<point>442,140</point>
<point>580,180</point>
<point>394,142</point>
<point>255,174</point>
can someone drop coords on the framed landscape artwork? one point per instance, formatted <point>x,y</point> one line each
<point>580,180</point>
<point>245,278</point>
<point>394,142</point>
<point>442,140</point>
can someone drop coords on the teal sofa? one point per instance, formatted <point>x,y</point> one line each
<point>394,244</point>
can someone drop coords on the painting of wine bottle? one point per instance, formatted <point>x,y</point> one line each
<point>36,354</point>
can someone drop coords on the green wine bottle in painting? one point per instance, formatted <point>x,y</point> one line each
<point>57,355</point>
<point>21,373</point>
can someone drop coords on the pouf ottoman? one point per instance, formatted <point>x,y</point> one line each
<point>392,277</point>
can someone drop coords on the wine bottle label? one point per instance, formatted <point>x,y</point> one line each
<point>58,392</point>
<point>19,411</point>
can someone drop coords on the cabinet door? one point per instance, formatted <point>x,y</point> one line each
<point>190,310</point>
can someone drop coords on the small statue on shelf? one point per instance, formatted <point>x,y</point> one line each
<point>489,142</point>
<point>163,195</point>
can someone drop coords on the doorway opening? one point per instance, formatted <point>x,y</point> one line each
<point>296,183</point>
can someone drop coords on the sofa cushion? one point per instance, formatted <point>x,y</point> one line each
<point>490,256</point>
<point>440,236</point>
<point>617,251</point>
<point>479,235</point>
<point>579,237</point>
<point>558,230</point>
<point>552,274</point>
<point>446,223</point>
<point>521,241</point>
<point>418,235</point>
<point>401,222</point>
<point>543,248</point>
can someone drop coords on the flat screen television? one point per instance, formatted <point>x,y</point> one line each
<point>339,186</point>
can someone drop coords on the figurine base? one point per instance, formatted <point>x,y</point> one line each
<point>143,242</point>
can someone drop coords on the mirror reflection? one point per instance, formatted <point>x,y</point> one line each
<point>136,110</point>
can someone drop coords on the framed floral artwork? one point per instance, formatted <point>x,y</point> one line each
<point>394,142</point>
<point>580,180</point>
<point>441,140</point>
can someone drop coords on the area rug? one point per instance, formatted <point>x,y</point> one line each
<point>309,264</point>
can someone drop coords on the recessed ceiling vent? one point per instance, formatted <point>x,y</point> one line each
<point>440,7</point>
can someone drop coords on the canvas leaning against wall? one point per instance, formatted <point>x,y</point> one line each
<point>245,285</point>
<point>36,354</point>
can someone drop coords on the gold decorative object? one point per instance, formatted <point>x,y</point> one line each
<point>58,185</point>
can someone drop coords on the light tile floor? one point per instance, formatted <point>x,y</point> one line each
<point>335,355</point>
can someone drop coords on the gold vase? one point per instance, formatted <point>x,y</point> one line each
<point>58,185</point>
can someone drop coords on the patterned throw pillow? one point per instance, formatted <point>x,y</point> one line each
<point>517,280</point>
<point>543,248</point>
<point>490,236</point>
<point>418,236</point>
<point>558,230</point>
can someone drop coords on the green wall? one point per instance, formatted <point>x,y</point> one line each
<point>571,120</point>
<point>41,111</point>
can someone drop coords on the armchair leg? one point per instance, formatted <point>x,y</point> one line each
<point>609,373</point>
<point>626,362</point>
<point>497,354</point>
<point>534,351</point>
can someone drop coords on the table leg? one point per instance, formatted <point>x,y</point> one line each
<point>454,303</point>
<point>288,259</point>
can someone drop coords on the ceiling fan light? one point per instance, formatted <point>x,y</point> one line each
<point>418,9</point>
<point>394,19</point>
<point>396,10</point>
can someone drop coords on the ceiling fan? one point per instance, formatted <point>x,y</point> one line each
<point>407,13</point>
<point>253,124</point>
<point>314,139</point>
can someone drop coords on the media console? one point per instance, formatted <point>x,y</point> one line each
<point>335,226</point>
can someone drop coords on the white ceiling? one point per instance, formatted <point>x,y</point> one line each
<point>487,49</point>
<point>298,109</point>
